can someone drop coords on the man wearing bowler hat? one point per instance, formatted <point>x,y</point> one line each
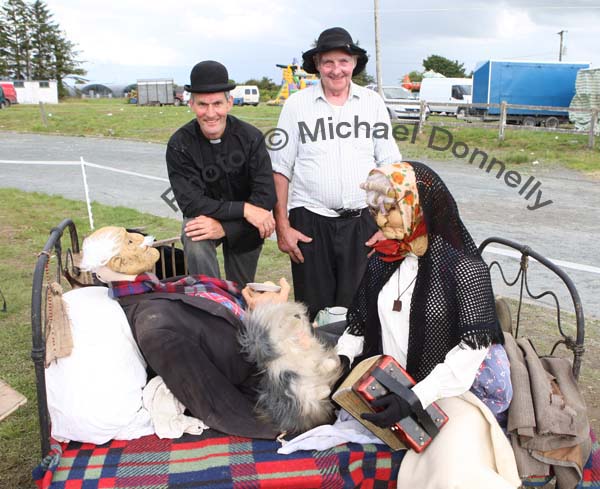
<point>222,179</point>
<point>337,132</point>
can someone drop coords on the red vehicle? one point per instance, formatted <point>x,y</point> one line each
<point>10,93</point>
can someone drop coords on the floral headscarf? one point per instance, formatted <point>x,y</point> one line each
<point>399,196</point>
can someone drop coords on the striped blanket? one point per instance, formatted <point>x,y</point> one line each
<point>221,461</point>
<point>214,461</point>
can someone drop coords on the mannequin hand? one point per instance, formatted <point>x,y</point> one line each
<point>394,409</point>
<point>254,298</point>
<point>378,236</point>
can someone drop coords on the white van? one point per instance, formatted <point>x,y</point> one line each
<point>437,92</point>
<point>245,95</point>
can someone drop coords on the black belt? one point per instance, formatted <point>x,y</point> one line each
<point>345,213</point>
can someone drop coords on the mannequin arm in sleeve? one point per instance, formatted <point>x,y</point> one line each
<point>453,377</point>
<point>350,346</point>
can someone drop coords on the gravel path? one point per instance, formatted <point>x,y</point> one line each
<point>568,229</point>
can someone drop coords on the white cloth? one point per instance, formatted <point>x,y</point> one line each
<point>453,377</point>
<point>350,345</point>
<point>346,429</point>
<point>326,168</point>
<point>95,394</point>
<point>450,378</point>
<point>395,324</point>
<point>470,452</point>
<point>167,412</point>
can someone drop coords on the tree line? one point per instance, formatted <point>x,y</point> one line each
<point>434,62</point>
<point>33,47</point>
<point>441,65</point>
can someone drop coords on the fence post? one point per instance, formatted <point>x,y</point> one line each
<point>422,115</point>
<point>593,123</point>
<point>502,120</point>
<point>43,114</point>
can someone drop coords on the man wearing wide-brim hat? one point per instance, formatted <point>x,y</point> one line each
<point>222,179</point>
<point>338,131</point>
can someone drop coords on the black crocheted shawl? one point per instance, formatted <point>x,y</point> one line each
<point>452,299</point>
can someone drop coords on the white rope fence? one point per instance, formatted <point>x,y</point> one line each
<point>82,163</point>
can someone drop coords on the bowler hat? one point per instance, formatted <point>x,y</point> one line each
<point>335,38</point>
<point>209,77</point>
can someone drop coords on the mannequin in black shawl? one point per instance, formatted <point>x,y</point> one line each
<point>449,310</point>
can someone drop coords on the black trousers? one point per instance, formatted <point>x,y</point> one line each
<point>335,260</point>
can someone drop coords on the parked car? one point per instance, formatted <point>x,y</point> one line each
<point>396,98</point>
<point>10,94</point>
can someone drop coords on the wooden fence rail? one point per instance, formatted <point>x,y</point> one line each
<point>504,107</point>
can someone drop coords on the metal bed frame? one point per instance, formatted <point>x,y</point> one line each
<point>58,259</point>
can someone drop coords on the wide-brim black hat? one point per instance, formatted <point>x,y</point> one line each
<point>209,77</point>
<point>335,38</point>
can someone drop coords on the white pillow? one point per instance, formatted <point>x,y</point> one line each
<point>95,394</point>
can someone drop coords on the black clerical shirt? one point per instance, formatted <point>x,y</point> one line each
<point>215,178</point>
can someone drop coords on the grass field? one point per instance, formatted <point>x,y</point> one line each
<point>25,222</point>
<point>115,118</point>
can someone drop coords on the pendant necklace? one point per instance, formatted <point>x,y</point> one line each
<point>397,302</point>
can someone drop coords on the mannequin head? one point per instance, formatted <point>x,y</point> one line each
<point>393,198</point>
<point>297,370</point>
<point>115,254</point>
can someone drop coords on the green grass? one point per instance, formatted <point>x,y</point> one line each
<point>25,222</point>
<point>520,147</point>
<point>117,119</point>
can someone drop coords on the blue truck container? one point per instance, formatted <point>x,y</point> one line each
<point>542,83</point>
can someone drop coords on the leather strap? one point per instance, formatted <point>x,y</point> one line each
<point>409,396</point>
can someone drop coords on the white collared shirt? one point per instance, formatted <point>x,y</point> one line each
<point>331,149</point>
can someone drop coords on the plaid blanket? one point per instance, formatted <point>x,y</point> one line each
<point>591,470</point>
<point>214,461</point>
<point>224,292</point>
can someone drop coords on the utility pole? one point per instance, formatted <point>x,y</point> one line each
<point>377,51</point>
<point>560,51</point>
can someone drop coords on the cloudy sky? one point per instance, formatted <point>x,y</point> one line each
<point>123,40</point>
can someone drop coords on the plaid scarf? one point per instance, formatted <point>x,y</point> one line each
<point>222,291</point>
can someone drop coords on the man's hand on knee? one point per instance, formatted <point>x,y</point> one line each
<point>260,218</point>
<point>204,227</point>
